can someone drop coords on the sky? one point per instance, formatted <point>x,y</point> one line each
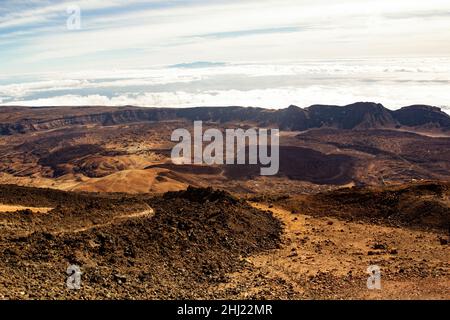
<point>267,53</point>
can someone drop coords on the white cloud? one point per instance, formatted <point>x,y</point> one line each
<point>394,82</point>
<point>269,98</point>
<point>36,12</point>
<point>169,34</point>
<point>117,57</point>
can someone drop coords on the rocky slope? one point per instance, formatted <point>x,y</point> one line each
<point>190,242</point>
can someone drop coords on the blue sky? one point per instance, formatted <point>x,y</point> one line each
<point>40,58</point>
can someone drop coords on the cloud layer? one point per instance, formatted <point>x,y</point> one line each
<point>393,82</point>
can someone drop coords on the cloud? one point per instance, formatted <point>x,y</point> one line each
<point>269,52</point>
<point>426,14</point>
<point>135,33</point>
<point>198,64</point>
<point>395,82</point>
<point>243,33</point>
<point>268,98</point>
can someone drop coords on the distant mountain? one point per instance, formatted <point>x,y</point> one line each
<point>357,116</point>
<point>420,115</point>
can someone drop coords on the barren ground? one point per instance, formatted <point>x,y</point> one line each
<point>206,244</point>
<point>326,258</point>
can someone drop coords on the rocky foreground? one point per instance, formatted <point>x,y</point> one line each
<point>208,244</point>
<point>187,242</point>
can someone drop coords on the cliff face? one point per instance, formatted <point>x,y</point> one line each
<point>52,118</point>
<point>418,115</point>
<point>358,115</point>
<point>361,115</point>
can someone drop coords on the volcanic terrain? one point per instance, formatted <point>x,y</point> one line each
<point>358,185</point>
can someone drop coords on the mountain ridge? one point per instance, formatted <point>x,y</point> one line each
<point>356,116</point>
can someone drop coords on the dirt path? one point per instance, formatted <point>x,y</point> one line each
<point>326,258</point>
<point>14,225</point>
<point>118,219</point>
<point>14,208</point>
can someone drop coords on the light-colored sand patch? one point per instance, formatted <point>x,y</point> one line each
<point>132,181</point>
<point>14,208</point>
<point>128,181</point>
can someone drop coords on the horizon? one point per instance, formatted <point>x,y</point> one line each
<point>187,53</point>
<point>443,109</point>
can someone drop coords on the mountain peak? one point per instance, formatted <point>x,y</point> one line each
<point>419,115</point>
<point>366,105</point>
